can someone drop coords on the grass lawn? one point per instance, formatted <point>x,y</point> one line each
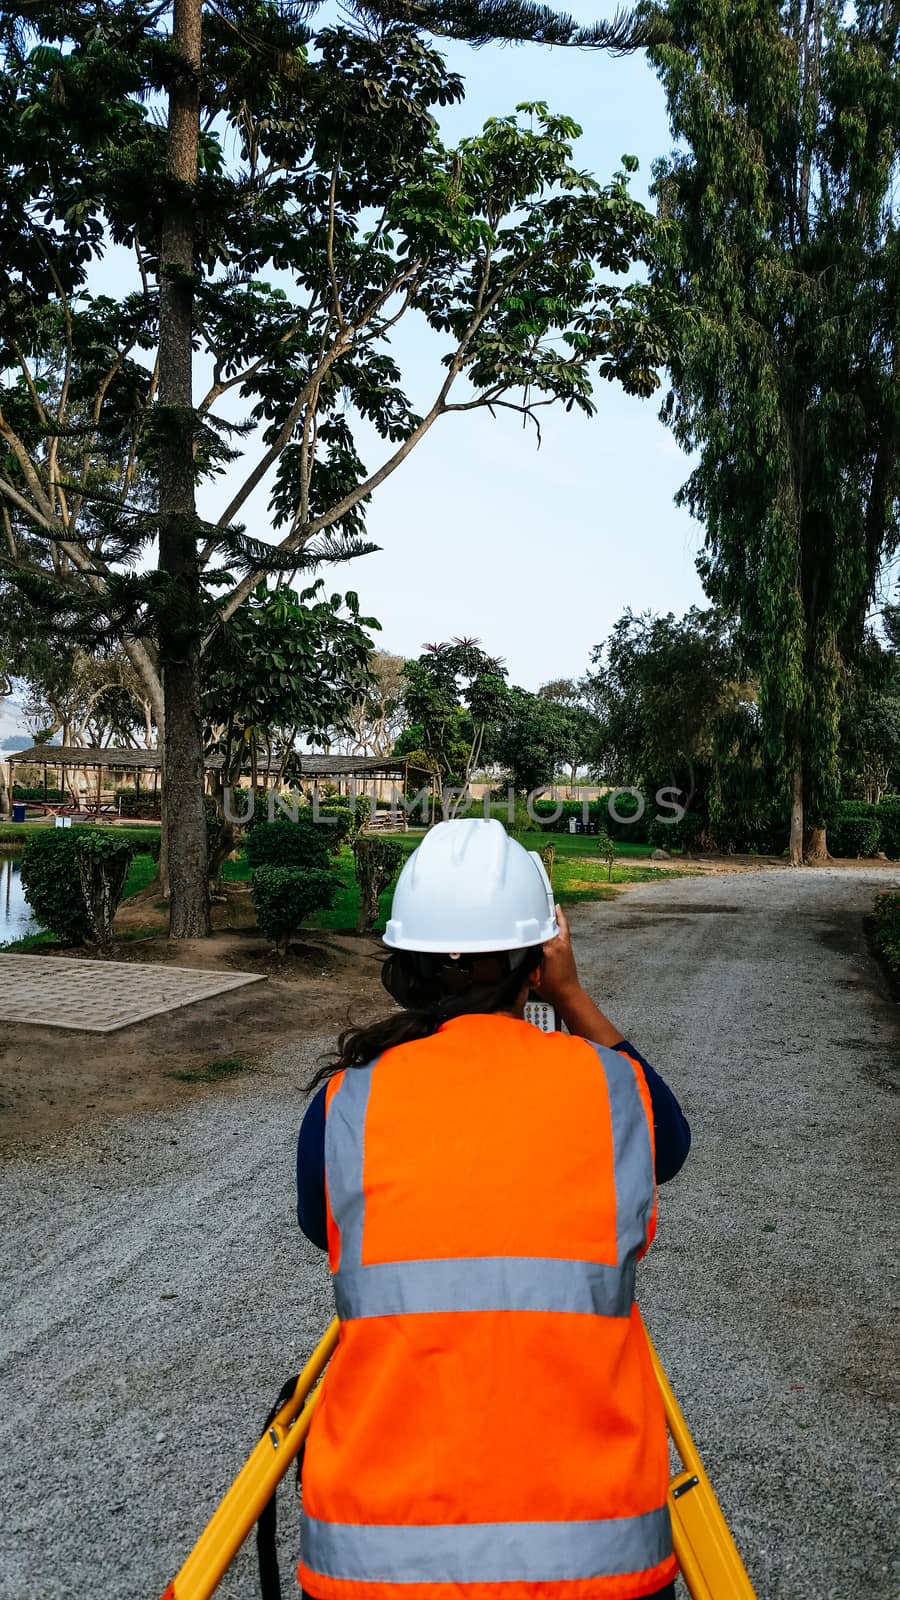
<point>579,875</point>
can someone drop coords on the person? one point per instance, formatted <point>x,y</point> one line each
<point>489,1426</point>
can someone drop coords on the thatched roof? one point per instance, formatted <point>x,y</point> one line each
<point>122,758</point>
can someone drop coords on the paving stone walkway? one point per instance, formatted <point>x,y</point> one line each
<point>101,996</point>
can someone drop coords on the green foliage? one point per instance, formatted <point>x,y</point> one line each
<point>452,693</point>
<point>338,823</point>
<point>606,850</point>
<point>886,916</point>
<point>535,736</point>
<point>53,864</point>
<point>780,240</point>
<point>37,793</point>
<point>888,810</point>
<point>285,663</point>
<point>103,857</point>
<point>143,804</point>
<point>854,829</point>
<point>683,834</point>
<point>375,861</point>
<point>285,896</point>
<point>51,885</point>
<point>303,844</point>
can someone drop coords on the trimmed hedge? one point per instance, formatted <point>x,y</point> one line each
<point>52,886</point>
<point>855,829</point>
<point>285,896</point>
<point>57,862</point>
<point>888,810</point>
<point>599,816</point>
<point>375,862</point>
<point>304,844</point>
<point>22,793</point>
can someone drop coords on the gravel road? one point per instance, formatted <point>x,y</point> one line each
<point>156,1291</point>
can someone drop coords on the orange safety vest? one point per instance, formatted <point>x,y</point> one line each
<point>489,1426</point>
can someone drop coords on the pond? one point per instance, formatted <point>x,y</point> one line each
<point>15,914</point>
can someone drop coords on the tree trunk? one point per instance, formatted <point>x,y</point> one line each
<point>816,854</point>
<point>102,882</point>
<point>180,618</point>
<point>4,793</point>
<point>796,839</point>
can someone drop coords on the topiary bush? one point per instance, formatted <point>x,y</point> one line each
<point>51,884</point>
<point>285,896</point>
<point>888,810</point>
<point>855,829</point>
<point>304,843</point>
<point>103,860</point>
<point>376,861</point>
<point>73,880</point>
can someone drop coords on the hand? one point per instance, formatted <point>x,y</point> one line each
<point>559,974</point>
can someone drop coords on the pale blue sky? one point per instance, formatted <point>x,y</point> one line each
<point>534,552</point>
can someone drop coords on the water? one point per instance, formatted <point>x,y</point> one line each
<point>16,917</point>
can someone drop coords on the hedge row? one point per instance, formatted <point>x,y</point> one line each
<point>859,828</point>
<point>21,792</point>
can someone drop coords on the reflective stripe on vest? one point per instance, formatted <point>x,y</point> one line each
<point>510,1283</point>
<point>487,1552</point>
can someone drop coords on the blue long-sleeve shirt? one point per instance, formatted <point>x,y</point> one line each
<point>671,1130</point>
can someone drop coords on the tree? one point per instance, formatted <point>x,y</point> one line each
<point>581,740</point>
<point>374,718</point>
<point>502,245</point>
<point>658,688</point>
<point>454,691</point>
<point>785,251</point>
<point>870,720</point>
<point>282,666</point>
<point>533,738</point>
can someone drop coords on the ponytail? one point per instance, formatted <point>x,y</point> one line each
<point>435,989</point>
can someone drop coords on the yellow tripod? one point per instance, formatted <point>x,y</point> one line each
<point>704,1548</point>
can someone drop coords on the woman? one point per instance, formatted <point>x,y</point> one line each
<point>489,1427</point>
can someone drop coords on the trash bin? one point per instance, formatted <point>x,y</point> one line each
<point>18,811</point>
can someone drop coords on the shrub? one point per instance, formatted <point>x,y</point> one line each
<point>64,869</point>
<point>683,834</point>
<point>599,817</point>
<point>285,896</point>
<point>103,859</point>
<point>51,884</point>
<point>375,861</point>
<point>607,851</point>
<point>855,829</point>
<point>130,804</point>
<point>23,792</point>
<point>304,843</point>
<point>888,811</point>
<point>887,929</point>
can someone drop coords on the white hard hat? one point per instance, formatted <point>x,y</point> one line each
<point>470,887</point>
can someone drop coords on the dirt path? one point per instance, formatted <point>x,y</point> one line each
<point>157,1290</point>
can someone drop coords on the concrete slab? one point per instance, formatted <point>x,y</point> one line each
<point>102,996</point>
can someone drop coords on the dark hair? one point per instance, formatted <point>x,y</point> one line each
<point>432,989</point>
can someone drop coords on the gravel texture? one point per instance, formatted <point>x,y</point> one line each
<point>157,1291</point>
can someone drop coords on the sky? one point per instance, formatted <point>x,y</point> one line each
<point>534,552</point>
